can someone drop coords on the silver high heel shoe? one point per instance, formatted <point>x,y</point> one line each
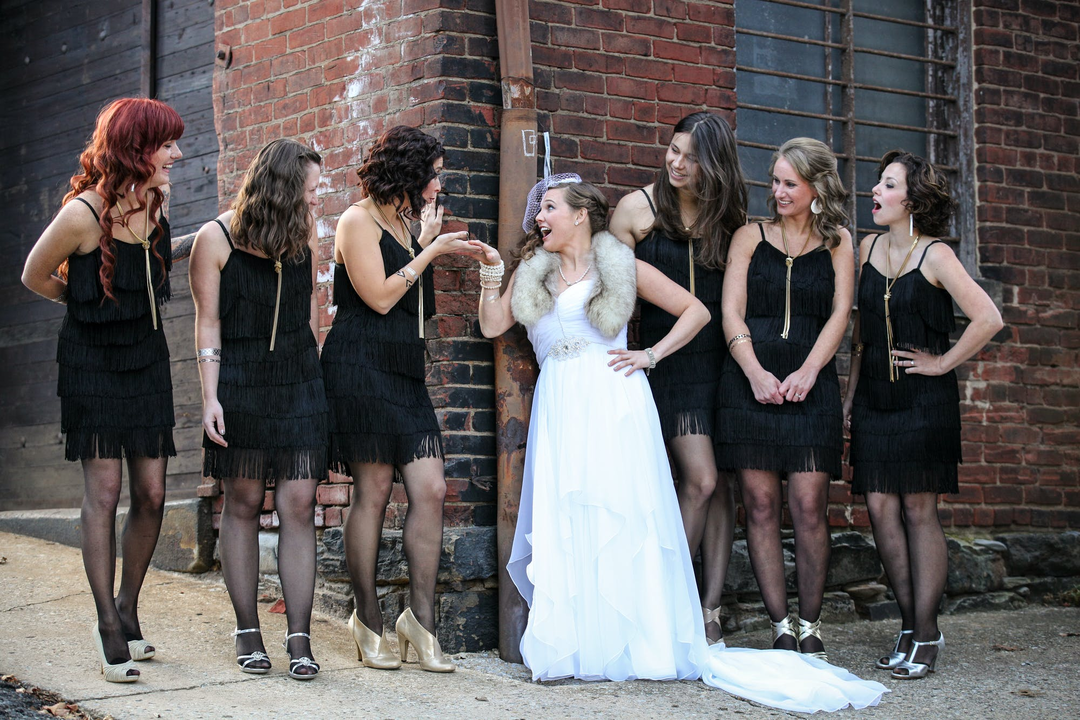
<point>895,657</point>
<point>784,627</point>
<point>811,629</point>
<point>245,661</point>
<point>911,670</point>
<point>300,662</point>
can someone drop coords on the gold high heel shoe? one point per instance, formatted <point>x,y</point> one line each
<point>428,652</point>
<point>713,616</point>
<point>373,650</point>
<point>117,673</point>
<point>784,627</point>
<point>810,629</point>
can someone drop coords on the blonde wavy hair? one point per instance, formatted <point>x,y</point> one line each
<point>816,165</point>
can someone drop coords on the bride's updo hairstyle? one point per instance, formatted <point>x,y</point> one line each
<point>577,195</point>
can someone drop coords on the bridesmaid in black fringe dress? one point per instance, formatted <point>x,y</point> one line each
<point>112,250</point>
<point>264,406</point>
<point>381,417</point>
<point>682,225</point>
<point>787,300</point>
<point>902,403</point>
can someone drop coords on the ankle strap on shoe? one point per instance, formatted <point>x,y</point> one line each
<point>238,631</point>
<point>808,629</point>
<point>292,635</point>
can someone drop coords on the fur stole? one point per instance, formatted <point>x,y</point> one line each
<point>613,295</point>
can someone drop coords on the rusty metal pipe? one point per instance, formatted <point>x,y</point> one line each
<point>515,366</point>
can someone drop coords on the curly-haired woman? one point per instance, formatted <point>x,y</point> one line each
<point>787,300</point>
<point>264,407</point>
<point>902,403</point>
<point>682,225</point>
<point>381,417</point>
<point>112,252</point>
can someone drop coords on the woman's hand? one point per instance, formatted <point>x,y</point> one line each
<point>766,388</point>
<point>213,422</point>
<point>633,359</point>
<point>484,252</point>
<point>798,384</point>
<point>918,362</point>
<point>449,243</point>
<point>431,220</point>
<point>847,415</point>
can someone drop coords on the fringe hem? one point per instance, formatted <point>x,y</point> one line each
<point>383,449</point>
<point>266,465</point>
<point>784,460</point>
<point>118,444</point>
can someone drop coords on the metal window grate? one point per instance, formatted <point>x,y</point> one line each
<point>861,80</point>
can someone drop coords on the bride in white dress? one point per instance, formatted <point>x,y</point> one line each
<point>599,550</point>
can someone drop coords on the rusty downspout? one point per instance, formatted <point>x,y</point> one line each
<point>515,368</point>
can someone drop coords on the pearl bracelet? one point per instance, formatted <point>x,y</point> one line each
<point>652,359</point>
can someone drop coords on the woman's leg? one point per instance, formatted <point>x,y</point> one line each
<point>891,538</point>
<point>761,494</point>
<point>294,501</point>
<point>146,486</point>
<point>239,538</point>
<point>929,556</point>
<point>808,500</point>
<point>372,483</point>
<point>706,503</point>
<point>425,485</point>
<point>102,480</point>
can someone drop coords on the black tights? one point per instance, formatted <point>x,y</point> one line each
<point>808,499</point>
<point>294,501</point>
<point>118,618</point>
<point>707,505</point>
<point>425,487</point>
<point>912,547</point>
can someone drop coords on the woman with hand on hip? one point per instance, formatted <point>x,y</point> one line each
<point>787,300</point>
<point>112,250</point>
<point>902,403</point>
<point>382,420</point>
<point>252,274</point>
<point>599,552</point>
<point>682,225</point>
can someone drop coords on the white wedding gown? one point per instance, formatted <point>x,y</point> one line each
<point>599,551</point>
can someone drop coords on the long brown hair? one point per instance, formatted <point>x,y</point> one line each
<point>127,134</point>
<point>718,185</point>
<point>271,215</point>
<point>577,195</point>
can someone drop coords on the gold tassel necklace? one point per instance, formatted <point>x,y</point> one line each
<point>277,305</point>
<point>412,256</point>
<point>789,260</point>
<point>893,374</point>
<point>145,242</point>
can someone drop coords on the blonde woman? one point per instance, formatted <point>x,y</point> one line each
<point>787,300</point>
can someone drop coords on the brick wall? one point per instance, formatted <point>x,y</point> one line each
<point>612,76</point>
<point>1022,409</point>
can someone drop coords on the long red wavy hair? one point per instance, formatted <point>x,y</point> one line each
<point>128,133</point>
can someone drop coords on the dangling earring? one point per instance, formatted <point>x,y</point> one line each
<point>910,225</point>
<point>132,187</point>
<point>815,207</point>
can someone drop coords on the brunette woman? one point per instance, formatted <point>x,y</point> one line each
<point>382,420</point>
<point>112,249</point>
<point>252,273</point>
<point>787,300</point>
<point>902,403</point>
<point>682,225</point>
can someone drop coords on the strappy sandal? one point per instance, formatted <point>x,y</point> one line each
<point>300,662</point>
<point>911,670</point>
<point>811,629</point>
<point>895,657</point>
<point>245,661</point>
<point>713,616</point>
<point>784,627</point>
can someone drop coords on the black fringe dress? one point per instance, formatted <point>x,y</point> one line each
<point>905,435</point>
<point>274,402</point>
<point>796,436</point>
<point>380,410</point>
<point>683,384</point>
<point>115,385</point>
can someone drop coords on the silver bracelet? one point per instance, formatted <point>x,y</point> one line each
<point>62,298</point>
<point>741,337</point>
<point>209,359</point>
<point>206,352</point>
<point>652,359</point>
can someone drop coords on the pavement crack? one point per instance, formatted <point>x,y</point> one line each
<point>45,602</point>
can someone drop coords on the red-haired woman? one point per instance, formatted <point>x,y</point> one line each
<point>112,250</point>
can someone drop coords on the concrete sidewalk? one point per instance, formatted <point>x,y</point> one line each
<point>1012,665</point>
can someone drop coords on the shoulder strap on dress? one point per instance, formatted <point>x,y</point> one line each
<point>649,200</point>
<point>872,246</point>
<point>761,227</point>
<point>87,204</point>
<point>225,230</point>
<point>926,250</point>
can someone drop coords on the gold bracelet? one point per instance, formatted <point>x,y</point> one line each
<point>856,350</point>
